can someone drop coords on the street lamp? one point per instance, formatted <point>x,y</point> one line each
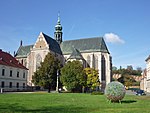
<point>57,87</point>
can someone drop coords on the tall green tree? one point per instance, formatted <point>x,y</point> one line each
<point>46,74</point>
<point>92,78</point>
<point>72,76</point>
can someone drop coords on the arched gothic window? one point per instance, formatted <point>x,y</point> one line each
<point>38,61</point>
<point>88,61</point>
<point>103,68</point>
<point>96,62</point>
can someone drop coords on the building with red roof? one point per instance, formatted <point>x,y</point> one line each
<point>13,75</point>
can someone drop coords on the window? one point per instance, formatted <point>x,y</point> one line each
<point>38,61</point>
<point>103,68</point>
<point>17,85</point>
<point>10,73</point>
<point>24,75</point>
<point>10,84</point>
<point>22,61</point>
<point>96,62</point>
<point>3,72</point>
<point>2,84</point>
<point>88,61</point>
<point>18,74</point>
<point>23,85</point>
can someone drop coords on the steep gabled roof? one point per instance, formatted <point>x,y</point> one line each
<point>96,44</point>
<point>53,45</point>
<point>23,51</point>
<point>75,54</point>
<point>8,60</point>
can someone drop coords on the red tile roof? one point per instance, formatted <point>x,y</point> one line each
<point>8,60</point>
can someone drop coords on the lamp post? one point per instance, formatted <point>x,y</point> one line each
<point>57,87</point>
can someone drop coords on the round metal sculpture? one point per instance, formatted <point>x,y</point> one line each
<point>115,91</point>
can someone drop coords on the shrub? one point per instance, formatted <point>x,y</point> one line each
<point>115,91</point>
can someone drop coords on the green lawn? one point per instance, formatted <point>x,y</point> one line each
<point>71,103</point>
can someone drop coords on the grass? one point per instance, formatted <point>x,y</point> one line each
<point>70,103</point>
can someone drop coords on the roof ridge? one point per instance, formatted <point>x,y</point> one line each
<point>83,39</point>
<point>27,45</point>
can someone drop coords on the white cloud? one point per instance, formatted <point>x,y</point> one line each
<point>113,38</point>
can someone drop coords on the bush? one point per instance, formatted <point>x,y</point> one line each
<point>97,93</point>
<point>115,91</point>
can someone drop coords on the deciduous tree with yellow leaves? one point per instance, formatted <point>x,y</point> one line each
<point>92,77</point>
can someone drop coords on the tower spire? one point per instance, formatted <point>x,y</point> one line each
<point>58,21</point>
<point>58,30</point>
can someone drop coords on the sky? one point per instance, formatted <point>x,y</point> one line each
<point>124,24</point>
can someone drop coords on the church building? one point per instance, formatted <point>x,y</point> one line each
<point>92,52</point>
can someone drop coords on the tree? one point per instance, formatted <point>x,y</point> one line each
<point>129,67</point>
<point>92,78</point>
<point>72,76</point>
<point>127,80</point>
<point>46,74</point>
<point>128,71</point>
<point>139,70</point>
<point>114,68</point>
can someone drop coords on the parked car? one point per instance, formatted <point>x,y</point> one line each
<point>140,92</point>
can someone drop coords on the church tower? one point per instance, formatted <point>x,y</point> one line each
<point>58,31</point>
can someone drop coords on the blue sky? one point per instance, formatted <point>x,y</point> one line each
<point>125,24</point>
